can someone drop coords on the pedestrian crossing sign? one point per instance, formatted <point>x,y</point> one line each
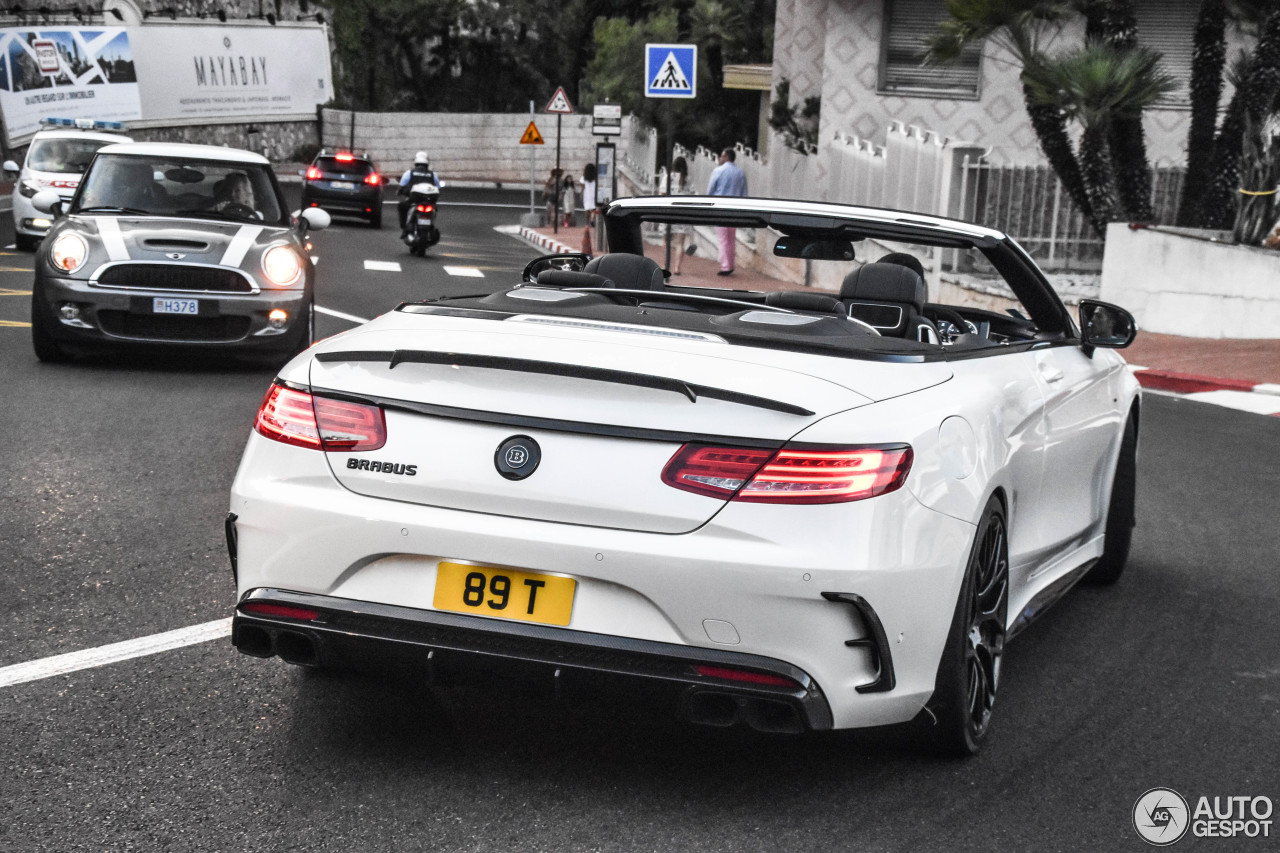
<point>670,70</point>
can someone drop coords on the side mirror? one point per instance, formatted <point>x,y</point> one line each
<point>1105,325</point>
<point>47,201</point>
<point>10,166</point>
<point>313,218</point>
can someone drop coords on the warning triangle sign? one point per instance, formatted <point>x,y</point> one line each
<point>670,76</point>
<point>531,136</point>
<point>559,103</point>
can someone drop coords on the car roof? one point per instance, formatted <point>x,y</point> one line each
<point>187,151</point>
<point>72,133</point>
<point>923,226</point>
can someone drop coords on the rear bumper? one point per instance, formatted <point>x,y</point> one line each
<point>363,634</point>
<point>359,201</point>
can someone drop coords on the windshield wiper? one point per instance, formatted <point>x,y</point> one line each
<point>108,208</point>
<point>197,213</point>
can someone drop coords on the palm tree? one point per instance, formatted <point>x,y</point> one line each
<point>1020,27</point>
<point>1208,59</point>
<point>1098,86</point>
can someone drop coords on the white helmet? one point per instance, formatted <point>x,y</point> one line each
<point>420,159</point>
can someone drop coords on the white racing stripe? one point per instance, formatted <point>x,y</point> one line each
<point>239,245</point>
<point>35,670</point>
<point>112,239</point>
<point>352,317</point>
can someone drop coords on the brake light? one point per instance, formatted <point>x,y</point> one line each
<point>426,208</point>
<point>744,675</point>
<point>789,475</point>
<point>320,423</point>
<point>344,158</point>
<point>313,173</point>
<point>266,608</point>
<point>373,179</point>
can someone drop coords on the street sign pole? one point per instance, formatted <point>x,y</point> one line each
<point>671,151</point>
<point>670,71</point>
<point>559,104</point>
<point>533,164</point>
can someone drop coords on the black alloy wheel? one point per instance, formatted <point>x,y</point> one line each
<point>1121,515</point>
<point>969,673</point>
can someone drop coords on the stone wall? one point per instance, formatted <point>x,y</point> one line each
<point>279,142</point>
<point>1192,285</point>
<point>464,147</point>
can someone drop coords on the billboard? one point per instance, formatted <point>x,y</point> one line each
<point>162,74</point>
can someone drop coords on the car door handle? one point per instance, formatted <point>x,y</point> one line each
<point>1050,373</point>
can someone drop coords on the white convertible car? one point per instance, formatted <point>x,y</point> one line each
<point>800,509</point>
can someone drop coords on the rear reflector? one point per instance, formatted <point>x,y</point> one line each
<point>320,423</point>
<point>789,475</point>
<point>284,611</point>
<point>744,675</point>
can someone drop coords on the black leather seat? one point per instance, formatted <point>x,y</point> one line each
<point>799,300</point>
<point>627,271</point>
<point>890,298</point>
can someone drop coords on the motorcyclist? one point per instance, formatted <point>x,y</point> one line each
<point>420,172</point>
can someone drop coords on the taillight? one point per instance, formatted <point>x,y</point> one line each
<point>789,475</point>
<point>286,611</point>
<point>425,208</point>
<point>313,174</point>
<point>373,179</point>
<point>344,158</point>
<point>320,423</point>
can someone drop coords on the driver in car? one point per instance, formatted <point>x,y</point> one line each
<point>234,194</point>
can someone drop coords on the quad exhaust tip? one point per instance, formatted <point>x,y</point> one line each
<point>713,708</point>
<point>292,647</point>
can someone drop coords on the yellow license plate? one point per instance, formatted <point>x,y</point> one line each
<point>504,593</point>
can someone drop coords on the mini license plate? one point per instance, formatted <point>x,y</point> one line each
<point>342,185</point>
<point>175,306</point>
<point>504,593</point>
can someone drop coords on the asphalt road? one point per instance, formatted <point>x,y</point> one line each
<point>114,485</point>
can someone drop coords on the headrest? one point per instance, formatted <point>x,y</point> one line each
<point>629,272</point>
<point>572,278</point>
<point>903,259</point>
<point>884,283</point>
<point>801,301</point>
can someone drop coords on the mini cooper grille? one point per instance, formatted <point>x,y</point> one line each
<point>161,327</point>
<point>174,277</point>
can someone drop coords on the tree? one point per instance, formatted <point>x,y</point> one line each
<point>1208,59</point>
<point>1101,86</point>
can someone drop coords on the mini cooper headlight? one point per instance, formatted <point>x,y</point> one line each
<point>281,265</point>
<point>68,252</point>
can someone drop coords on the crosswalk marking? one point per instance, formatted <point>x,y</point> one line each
<point>466,272</point>
<point>382,266</point>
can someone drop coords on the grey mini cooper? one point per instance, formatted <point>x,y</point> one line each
<point>178,245</point>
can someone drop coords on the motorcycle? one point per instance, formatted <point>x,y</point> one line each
<point>420,232</point>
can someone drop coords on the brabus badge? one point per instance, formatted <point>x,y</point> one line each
<point>517,457</point>
<point>174,256</point>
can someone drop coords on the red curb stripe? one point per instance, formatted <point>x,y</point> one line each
<point>1188,383</point>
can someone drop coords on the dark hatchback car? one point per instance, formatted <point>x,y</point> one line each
<point>344,183</point>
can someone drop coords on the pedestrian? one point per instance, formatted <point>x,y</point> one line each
<point>589,206</point>
<point>551,195</point>
<point>569,200</point>
<point>680,233</point>
<point>727,180</point>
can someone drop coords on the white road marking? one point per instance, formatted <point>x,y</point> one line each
<point>35,670</point>
<point>315,259</point>
<point>12,246</point>
<point>1263,404</point>
<point>353,318</point>
<point>466,272</point>
<point>382,266</point>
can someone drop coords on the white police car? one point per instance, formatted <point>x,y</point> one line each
<point>56,158</point>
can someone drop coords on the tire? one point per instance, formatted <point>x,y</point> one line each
<point>375,221</point>
<point>25,242</point>
<point>47,349</point>
<point>964,693</point>
<point>300,339</point>
<point>1121,517</point>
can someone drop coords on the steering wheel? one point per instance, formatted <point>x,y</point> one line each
<point>237,209</point>
<point>951,317</point>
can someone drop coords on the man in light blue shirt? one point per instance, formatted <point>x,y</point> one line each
<point>727,179</point>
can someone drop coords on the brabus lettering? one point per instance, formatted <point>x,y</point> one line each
<point>382,467</point>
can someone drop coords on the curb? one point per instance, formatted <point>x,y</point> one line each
<point>542,241</point>
<point>1192,383</point>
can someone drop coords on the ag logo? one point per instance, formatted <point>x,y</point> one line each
<point>517,457</point>
<point>1161,816</point>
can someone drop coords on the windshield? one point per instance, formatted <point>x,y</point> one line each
<point>63,156</point>
<point>173,187</point>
